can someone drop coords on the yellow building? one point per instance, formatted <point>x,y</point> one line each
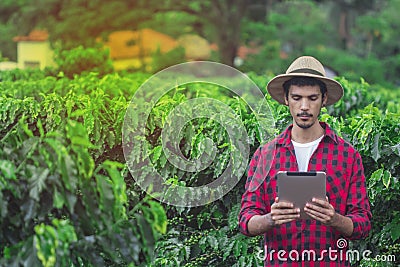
<point>34,50</point>
<point>128,49</point>
<point>133,49</point>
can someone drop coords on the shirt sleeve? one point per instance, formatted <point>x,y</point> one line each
<point>252,202</point>
<point>358,207</point>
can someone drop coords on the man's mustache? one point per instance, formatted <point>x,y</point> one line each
<point>304,114</point>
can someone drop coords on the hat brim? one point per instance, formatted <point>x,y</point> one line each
<point>275,87</point>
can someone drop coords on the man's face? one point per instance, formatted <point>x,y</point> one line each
<point>305,104</point>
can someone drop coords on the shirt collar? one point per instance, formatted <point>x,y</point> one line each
<point>286,136</point>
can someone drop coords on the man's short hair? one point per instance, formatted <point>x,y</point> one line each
<point>304,81</point>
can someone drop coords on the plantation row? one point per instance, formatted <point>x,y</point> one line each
<point>68,198</point>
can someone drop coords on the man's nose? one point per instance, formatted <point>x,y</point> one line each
<point>305,105</point>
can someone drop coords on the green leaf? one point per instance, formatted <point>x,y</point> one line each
<point>233,217</point>
<point>104,188</point>
<point>156,153</point>
<point>118,187</point>
<point>78,113</point>
<point>395,232</point>
<point>68,171</point>
<point>40,127</point>
<point>228,249</point>
<point>85,162</point>
<point>386,178</point>
<point>376,176</point>
<point>7,169</point>
<point>212,240</point>
<point>158,218</point>
<point>396,149</point>
<point>82,141</point>
<point>58,199</point>
<point>375,148</point>
<point>37,181</point>
<point>237,249</point>
<point>25,127</point>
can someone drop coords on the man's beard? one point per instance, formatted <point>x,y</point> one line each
<point>305,126</point>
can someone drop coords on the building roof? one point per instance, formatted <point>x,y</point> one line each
<point>34,36</point>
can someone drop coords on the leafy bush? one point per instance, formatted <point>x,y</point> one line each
<point>206,236</point>
<point>67,197</point>
<point>376,134</point>
<point>161,60</point>
<point>26,74</point>
<point>351,67</point>
<point>82,60</point>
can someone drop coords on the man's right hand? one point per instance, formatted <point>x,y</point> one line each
<point>283,212</point>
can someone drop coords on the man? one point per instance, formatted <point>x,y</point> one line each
<point>306,145</point>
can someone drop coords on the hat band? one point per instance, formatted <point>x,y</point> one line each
<point>310,71</point>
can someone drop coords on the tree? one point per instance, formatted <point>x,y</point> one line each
<point>80,22</point>
<point>344,14</point>
<point>379,31</point>
<point>225,18</point>
<point>8,28</point>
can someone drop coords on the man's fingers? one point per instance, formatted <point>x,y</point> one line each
<point>284,216</point>
<point>320,206</point>
<point>285,211</point>
<point>310,206</point>
<point>321,202</point>
<point>280,216</point>
<point>321,214</point>
<point>317,216</point>
<point>282,205</point>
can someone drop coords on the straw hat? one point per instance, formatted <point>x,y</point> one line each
<point>305,66</point>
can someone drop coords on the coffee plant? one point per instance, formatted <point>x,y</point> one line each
<point>68,198</point>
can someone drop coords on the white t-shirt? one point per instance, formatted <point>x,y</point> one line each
<point>304,152</point>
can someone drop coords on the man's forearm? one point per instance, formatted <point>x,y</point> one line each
<point>343,224</point>
<point>259,224</point>
<point>324,212</point>
<point>281,212</point>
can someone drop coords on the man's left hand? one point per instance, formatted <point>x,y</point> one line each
<point>321,210</point>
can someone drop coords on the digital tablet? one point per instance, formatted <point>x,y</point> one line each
<point>300,187</point>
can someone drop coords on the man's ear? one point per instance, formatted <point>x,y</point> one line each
<point>286,101</point>
<point>325,99</point>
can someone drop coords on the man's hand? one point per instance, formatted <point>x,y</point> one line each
<point>321,210</point>
<point>283,212</point>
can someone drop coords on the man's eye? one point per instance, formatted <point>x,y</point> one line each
<point>313,98</point>
<point>296,98</point>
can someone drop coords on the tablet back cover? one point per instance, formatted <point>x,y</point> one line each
<point>300,187</point>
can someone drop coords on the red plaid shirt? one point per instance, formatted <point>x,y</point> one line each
<point>300,240</point>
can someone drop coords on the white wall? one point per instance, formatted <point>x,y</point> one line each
<point>34,54</point>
